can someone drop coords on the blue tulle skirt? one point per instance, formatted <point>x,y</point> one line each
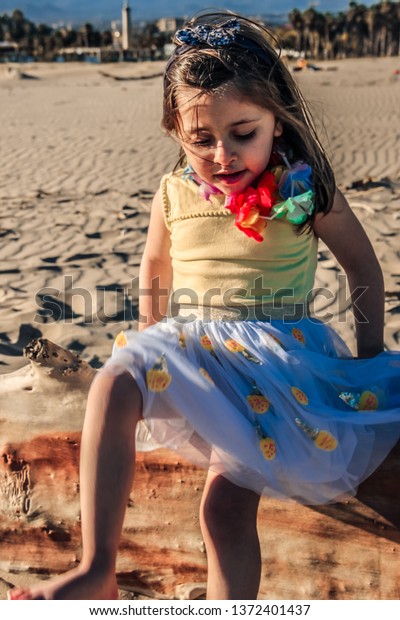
<point>279,408</point>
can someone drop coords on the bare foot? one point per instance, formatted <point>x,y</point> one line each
<point>75,585</point>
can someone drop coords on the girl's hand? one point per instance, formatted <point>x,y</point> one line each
<point>346,238</point>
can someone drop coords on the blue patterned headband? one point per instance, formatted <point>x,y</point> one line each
<point>217,36</point>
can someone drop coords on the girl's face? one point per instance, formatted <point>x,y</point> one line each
<point>227,139</point>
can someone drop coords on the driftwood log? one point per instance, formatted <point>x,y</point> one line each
<point>348,550</point>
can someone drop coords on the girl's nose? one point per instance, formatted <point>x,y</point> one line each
<point>224,154</point>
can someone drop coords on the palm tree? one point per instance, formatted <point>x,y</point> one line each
<point>357,29</point>
<point>357,32</point>
<point>314,31</point>
<point>297,21</point>
<point>391,12</point>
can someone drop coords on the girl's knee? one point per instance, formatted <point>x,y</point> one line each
<point>116,386</point>
<point>114,378</point>
<point>228,509</point>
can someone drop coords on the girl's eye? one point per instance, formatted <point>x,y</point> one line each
<point>208,142</point>
<point>204,142</point>
<point>246,136</point>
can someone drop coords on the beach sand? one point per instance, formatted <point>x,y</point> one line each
<point>81,155</point>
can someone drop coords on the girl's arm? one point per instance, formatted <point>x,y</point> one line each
<point>346,238</point>
<point>155,275</point>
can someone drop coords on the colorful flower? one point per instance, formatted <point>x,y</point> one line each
<point>295,180</point>
<point>205,189</point>
<point>284,191</point>
<point>253,205</point>
<point>296,209</point>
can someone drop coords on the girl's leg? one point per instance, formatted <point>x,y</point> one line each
<point>228,521</point>
<point>106,474</point>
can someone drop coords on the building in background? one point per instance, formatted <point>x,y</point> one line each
<point>116,29</point>
<point>169,25</point>
<point>126,27</point>
<point>9,51</point>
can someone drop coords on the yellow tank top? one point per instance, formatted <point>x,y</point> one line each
<point>215,264</point>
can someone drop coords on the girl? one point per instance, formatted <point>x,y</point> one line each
<point>240,379</point>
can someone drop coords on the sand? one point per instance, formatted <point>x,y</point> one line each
<point>81,155</point>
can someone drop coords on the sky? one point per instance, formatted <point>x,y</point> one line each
<point>101,11</point>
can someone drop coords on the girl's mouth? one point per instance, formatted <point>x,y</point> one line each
<point>230,178</point>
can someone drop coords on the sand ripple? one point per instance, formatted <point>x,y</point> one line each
<point>81,156</point>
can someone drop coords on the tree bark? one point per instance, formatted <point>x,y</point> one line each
<point>347,550</point>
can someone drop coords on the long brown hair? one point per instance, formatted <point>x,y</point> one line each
<point>252,64</point>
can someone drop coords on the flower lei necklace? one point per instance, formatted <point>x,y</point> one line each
<point>284,191</point>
